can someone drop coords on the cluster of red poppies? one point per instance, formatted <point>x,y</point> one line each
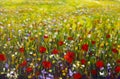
<point>69,57</point>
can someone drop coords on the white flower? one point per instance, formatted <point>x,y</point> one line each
<point>102,73</point>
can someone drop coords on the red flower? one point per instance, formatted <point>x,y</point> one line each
<point>93,72</point>
<point>93,42</point>
<point>29,69</point>
<point>70,38</point>
<point>42,49</point>
<point>69,57</point>
<point>77,76</point>
<point>24,63</point>
<point>118,61</point>
<point>108,36</point>
<point>83,61</point>
<point>55,51</point>
<point>2,57</point>
<point>99,64</point>
<point>114,50</point>
<point>85,47</point>
<point>117,69</point>
<point>45,36</point>
<point>46,64</point>
<point>21,50</point>
<point>60,43</point>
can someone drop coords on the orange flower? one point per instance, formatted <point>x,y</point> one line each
<point>69,57</point>
<point>42,49</point>
<point>2,57</point>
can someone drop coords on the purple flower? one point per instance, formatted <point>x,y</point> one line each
<point>6,65</point>
<point>9,39</point>
<point>70,72</point>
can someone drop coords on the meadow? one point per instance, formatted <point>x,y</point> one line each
<point>59,39</point>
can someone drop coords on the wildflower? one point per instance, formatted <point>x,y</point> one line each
<point>117,69</point>
<point>42,49</point>
<point>83,61</point>
<point>21,50</point>
<point>60,43</point>
<point>29,69</point>
<point>46,64</point>
<point>69,57</point>
<point>99,64</point>
<point>85,47</point>
<point>77,76</point>
<point>118,61</point>
<point>55,51</point>
<point>45,36</point>
<point>2,57</point>
<point>93,42</point>
<point>24,63</point>
<point>114,50</point>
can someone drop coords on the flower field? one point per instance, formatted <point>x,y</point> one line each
<point>59,39</point>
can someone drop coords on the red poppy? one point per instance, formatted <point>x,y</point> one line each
<point>55,51</point>
<point>45,36</point>
<point>93,42</point>
<point>118,61</point>
<point>24,63</point>
<point>42,49</point>
<point>70,38</point>
<point>29,69</point>
<point>69,57</point>
<point>114,50</point>
<point>46,64</point>
<point>60,43</point>
<point>83,61</point>
<point>85,47</point>
<point>77,76</point>
<point>108,36</point>
<point>93,72</point>
<point>21,50</point>
<point>2,57</point>
<point>99,64</point>
<point>117,69</point>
